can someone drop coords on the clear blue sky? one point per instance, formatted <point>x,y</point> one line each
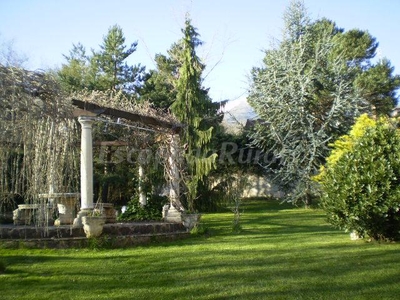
<point>234,32</point>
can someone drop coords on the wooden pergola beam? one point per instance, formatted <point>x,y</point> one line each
<point>111,143</point>
<point>146,120</point>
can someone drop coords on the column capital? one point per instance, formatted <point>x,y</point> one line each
<point>86,121</point>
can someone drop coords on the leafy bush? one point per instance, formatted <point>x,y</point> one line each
<point>345,143</point>
<point>151,211</point>
<point>361,188</point>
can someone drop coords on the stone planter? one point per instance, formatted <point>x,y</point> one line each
<point>66,210</point>
<point>66,205</point>
<point>190,220</point>
<point>93,225</point>
<point>108,211</point>
<point>26,214</point>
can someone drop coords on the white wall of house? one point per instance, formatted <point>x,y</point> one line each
<point>259,186</point>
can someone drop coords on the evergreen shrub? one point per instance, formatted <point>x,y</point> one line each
<point>152,211</point>
<point>361,187</point>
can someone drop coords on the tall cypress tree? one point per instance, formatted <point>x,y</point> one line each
<point>193,107</point>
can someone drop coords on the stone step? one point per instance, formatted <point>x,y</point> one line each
<point>102,241</point>
<point>63,231</point>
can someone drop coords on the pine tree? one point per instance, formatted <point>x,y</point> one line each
<point>102,70</point>
<point>158,87</point>
<point>160,84</point>
<point>378,87</point>
<point>78,73</point>
<point>117,74</point>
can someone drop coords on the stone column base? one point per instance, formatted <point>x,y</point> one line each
<point>78,220</point>
<point>172,215</point>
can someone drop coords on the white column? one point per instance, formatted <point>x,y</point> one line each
<point>174,171</point>
<point>86,162</point>
<point>172,214</point>
<point>142,162</point>
<point>142,195</point>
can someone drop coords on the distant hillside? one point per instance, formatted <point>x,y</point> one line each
<point>237,112</point>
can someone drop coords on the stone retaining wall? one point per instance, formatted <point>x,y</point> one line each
<point>113,236</point>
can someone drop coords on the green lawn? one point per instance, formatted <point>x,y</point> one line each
<point>282,253</point>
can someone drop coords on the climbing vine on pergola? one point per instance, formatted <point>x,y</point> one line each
<point>39,132</point>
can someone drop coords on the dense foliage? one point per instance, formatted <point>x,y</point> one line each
<point>360,185</point>
<point>311,86</point>
<point>302,97</point>
<point>345,143</point>
<point>158,87</point>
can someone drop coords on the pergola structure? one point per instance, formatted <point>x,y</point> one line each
<point>38,135</point>
<point>88,113</point>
